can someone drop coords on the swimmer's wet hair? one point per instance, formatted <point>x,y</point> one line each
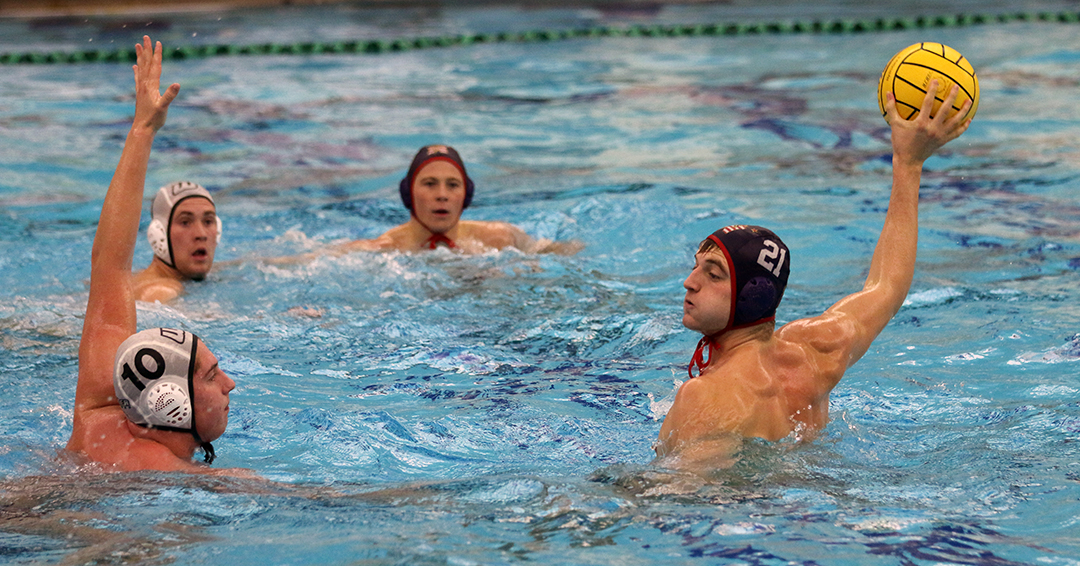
<point>707,245</point>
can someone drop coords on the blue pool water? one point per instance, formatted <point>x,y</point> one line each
<point>499,409</point>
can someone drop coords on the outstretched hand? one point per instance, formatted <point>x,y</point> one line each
<point>151,106</point>
<point>916,140</point>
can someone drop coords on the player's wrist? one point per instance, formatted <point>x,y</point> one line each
<point>143,131</point>
<point>906,161</point>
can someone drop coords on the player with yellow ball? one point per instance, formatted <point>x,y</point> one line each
<point>755,381</point>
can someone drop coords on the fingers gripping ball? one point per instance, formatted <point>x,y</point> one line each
<point>910,71</point>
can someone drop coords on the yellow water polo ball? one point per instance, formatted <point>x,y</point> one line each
<point>910,71</point>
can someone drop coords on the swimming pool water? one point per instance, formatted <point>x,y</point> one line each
<point>497,409</point>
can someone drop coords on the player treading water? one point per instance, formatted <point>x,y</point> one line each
<point>757,382</point>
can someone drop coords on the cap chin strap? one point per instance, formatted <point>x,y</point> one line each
<point>705,345</point>
<point>208,450</point>
<point>699,361</point>
<point>436,237</point>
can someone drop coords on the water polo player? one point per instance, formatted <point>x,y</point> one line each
<point>184,233</point>
<point>747,380</point>
<point>146,400</point>
<point>436,190</point>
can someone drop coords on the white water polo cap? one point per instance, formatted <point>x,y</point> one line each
<point>153,379</point>
<point>161,212</point>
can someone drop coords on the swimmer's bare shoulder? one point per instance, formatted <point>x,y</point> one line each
<point>742,394</point>
<point>150,287</point>
<point>822,346</point>
<point>498,235</point>
<point>502,235</point>
<point>103,435</point>
<point>760,389</point>
<point>396,238</point>
<point>710,417</point>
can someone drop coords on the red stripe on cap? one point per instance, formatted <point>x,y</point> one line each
<point>436,157</point>
<point>424,163</point>
<point>705,345</point>
<point>734,283</point>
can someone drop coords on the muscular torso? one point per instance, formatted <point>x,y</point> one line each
<point>761,388</point>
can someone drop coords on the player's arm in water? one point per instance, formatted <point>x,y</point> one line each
<point>436,190</point>
<point>478,236</point>
<point>501,235</point>
<point>838,338</point>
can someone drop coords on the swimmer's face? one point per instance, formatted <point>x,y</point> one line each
<point>707,305</point>
<point>211,389</point>
<point>193,233</point>
<point>438,195</point>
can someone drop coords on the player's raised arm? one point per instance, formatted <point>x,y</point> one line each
<point>865,314</point>
<point>110,310</point>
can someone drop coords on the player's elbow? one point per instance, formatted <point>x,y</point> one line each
<point>889,294</point>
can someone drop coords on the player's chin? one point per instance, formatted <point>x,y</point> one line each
<point>442,221</point>
<point>690,323</point>
<point>199,270</point>
<point>220,430</point>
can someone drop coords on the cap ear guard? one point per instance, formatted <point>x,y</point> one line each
<point>158,236</point>
<point>405,189</point>
<point>756,299</point>
<point>470,188</point>
<point>169,403</point>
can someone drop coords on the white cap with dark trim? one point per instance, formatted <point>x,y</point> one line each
<point>165,202</point>
<point>153,379</point>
